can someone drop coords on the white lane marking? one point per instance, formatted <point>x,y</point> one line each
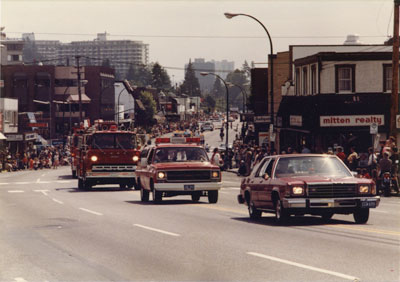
<point>19,279</point>
<point>15,191</point>
<point>4,183</point>
<point>334,273</point>
<point>373,210</point>
<point>43,182</point>
<point>43,174</point>
<point>63,181</point>
<point>90,211</point>
<point>231,188</point>
<point>58,201</point>
<point>38,180</point>
<point>42,191</point>
<point>21,183</point>
<point>157,230</point>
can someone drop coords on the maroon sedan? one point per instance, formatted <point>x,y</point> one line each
<point>306,184</point>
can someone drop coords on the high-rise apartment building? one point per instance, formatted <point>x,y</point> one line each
<point>120,53</point>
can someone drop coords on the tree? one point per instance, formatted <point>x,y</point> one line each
<point>160,78</point>
<point>237,77</point>
<point>146,117</point>
<point>139,75</point>
<point>209,102</point>
<point>191,85</point>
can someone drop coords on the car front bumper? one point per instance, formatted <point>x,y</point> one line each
<point>197,186</point>
<point>331,203</point>
<point>110,174</point>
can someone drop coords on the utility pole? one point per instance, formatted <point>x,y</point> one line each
<point>79,88</point>
<point>394,109</point>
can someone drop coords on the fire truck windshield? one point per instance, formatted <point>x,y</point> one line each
<point>114,141</point>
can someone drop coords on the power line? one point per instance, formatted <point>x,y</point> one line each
<point>201,36</point>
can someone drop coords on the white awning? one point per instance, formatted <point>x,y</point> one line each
<point>2,136</point>
<point>75,98</point>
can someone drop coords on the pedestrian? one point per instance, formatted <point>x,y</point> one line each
<point>352,159</point>
<point>372,160</point>
<point>216,158</point>
<point>340,154</point>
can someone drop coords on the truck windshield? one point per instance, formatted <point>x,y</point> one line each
<point>114,141</point>
<point>181,154</point>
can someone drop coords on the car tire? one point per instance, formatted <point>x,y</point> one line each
<point>254,213</point>
<point>144,195</point>
<point>74,174</point>
<point>361,216</point>
<point>157,196</point>
<point>326,216</point>
<point>80,184</point>
<point>196,197</point>
<point>281,214</point>
<point>213,196</point>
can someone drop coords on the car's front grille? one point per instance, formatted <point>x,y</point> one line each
<point>331,190</point>
<point>114,168</point>
<point>189,175</point>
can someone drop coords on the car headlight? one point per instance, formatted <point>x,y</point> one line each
<point>135,158</point>
<point>297,190</point>
<point>215,174</point>
<point>363,189</point>
<point>93,158</point>
<point>161,175</point>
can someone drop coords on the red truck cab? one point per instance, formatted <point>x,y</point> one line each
<point>177,166</point>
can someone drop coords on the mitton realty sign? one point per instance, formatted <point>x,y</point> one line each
<point>359,120</point>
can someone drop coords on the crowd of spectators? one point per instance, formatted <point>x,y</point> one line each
<point>34,158</point>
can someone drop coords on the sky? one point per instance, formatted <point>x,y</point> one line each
<point>178,31</point>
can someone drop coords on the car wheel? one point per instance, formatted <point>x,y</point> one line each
<point>326,216</point>
<point>196,197</point>
<point>144,195</point>
<point>361,216</point>
<point>213,196</point>
<point>281,214</point>
<point>254,213</point>
<point>157,196</point>
<point>80,184</point>
<point>74,174</point>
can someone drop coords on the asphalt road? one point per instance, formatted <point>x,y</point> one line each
<point>50,231</point>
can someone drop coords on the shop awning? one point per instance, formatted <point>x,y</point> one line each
<point>2,136</point>
<point>75,98</point>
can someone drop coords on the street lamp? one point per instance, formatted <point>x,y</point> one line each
<point>231,15</point>
<point>227,107</point>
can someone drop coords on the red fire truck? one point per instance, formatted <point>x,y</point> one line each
<point>74,149</point>
<point>107,155</point>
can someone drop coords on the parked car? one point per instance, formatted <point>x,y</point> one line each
<point>299,184</point>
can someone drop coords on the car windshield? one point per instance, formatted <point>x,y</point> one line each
<point>311,166</point>
<point>181,154</point>
<point>114,141</point>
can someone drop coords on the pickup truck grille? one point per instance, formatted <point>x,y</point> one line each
<point>189,175</point>
<point>332,190</point>
<point>114,168</point>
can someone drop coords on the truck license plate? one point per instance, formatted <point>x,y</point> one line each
<point>188,187</point>
<point>368,204</point>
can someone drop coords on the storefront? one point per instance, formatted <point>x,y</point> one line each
<point>324,121</point>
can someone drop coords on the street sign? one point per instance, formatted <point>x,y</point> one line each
<point>373,128</point>
<point>262,119</point>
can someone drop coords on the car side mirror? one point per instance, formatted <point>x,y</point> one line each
<point>143,162</point>
<point>266,176</point>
